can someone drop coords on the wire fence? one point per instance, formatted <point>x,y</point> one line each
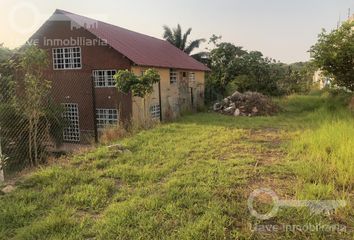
<point>46,110</point>
<point>38,120</point>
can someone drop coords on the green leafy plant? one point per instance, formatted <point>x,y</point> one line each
<point>139,86</point>
<point>36,89</point>
<point>30,121</point>
<point>334,54</point>
<point>5,53</point>
<point>232,66</point>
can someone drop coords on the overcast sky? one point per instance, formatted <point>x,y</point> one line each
<point>281,29</point>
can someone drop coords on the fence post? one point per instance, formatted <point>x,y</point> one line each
<point>2,158</point>
<point>94,108</point>
<point>2,178</point>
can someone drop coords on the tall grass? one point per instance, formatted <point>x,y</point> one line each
<point>327,155</point>
<point>324,155</point>
<point>191,179</point>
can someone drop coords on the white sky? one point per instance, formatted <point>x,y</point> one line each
<point>281,29</point>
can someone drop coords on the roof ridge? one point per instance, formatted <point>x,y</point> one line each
<point>140,48</point>
<point>60,11</point>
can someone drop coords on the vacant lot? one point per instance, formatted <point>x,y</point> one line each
<point>192,179</point>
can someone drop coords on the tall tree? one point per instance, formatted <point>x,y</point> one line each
<point>33,102</point>
<point>234,68</point>
<point>5,53</point>
<point>180,40</point>
<point>296,77</point>
<point>334,54</point>
<point>28,116</point>
<point>226,62</point>
<point>262,73</point>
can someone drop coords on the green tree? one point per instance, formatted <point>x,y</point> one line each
<point>296,77</point>
<point>6,68</point>
<point>139,86</point>
<point>236,69</point>
<point>180,40</point>
<point>261,72</point>
<point>226,62</point>
<point>7,90</point>
<point>5,53</point>
<point>127,81</point>
<point>28,116</point>
<point>334,54</point>
<point>33,102</point>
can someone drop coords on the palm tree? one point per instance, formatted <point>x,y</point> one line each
<point>179,40</point>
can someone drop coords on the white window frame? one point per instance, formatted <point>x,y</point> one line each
<point>191,77</point>
<point>155,111</point>
<point>71,113</point>
<point>106,117</point>
<point>173,76</point>
<point>106,78</point>
<point>67,60</point>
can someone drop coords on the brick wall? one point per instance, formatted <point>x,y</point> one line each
<point>75,86</point>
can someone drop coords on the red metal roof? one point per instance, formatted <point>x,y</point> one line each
<point>141,49</point>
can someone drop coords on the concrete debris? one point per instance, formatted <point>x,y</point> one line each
<point>246,104</point>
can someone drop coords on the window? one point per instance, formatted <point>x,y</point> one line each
<point>71,114</point>
<point>106,117</point>
<point>104,78</point>
<point>191,77</point>
<point>67,58</point>
<point>155,111</point>
<point>173,76</point>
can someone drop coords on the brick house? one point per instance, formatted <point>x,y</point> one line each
<point>86,53</point>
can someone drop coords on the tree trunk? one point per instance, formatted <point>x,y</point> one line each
<point>35,141</point>
<point>2,178</point>
<point>30,132</point>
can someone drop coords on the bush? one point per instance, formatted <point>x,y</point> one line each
<point>15,137</point>
<point>334,54</point>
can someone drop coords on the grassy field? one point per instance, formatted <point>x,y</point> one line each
<point>191,180</point>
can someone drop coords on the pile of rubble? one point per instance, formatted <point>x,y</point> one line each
<point>246,104</point>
